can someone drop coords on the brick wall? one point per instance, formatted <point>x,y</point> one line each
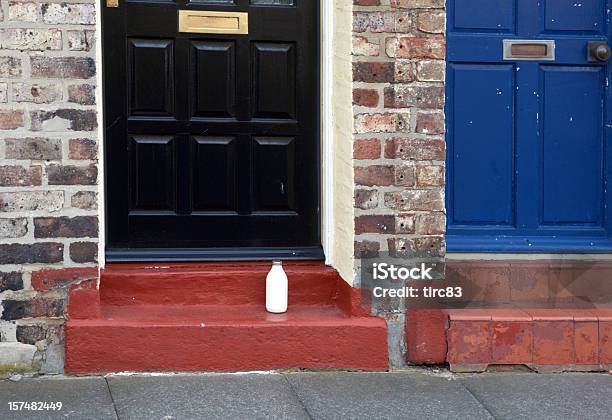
<point>49,163</point>
<point>48,173</point>
<point>399,149</point>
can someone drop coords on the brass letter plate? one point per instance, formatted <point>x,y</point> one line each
<point>112,3</point>
<point>201,22</point>
<point>529,50</point>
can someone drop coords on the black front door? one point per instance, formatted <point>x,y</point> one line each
<point>212,129</point>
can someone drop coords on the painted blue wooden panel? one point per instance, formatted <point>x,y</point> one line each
<point>531,177</point>
<point>574,15</point>
<point>482,149</point>
<point>490,15</point>
<point>572,145</point>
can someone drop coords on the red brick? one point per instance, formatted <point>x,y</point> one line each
<point>382,21</point>
<point>19,176</point>
<point>415,149</point>
<point>405,176</point>
<point>405,96</point>
<point>431,223</point>
<point>378,123</point>
<point>367,149</point>
<point>72,174</point>
<point>66,227</point>
<point>373,72</point>
<point>84,252</point>
<point>430,175</point>
<point>366,199</point>
<point>605,343</point>
<point>430,123</point>
<point>34,308</point>
<point>366,249</point>
<point>469,342</point>
<point>11,280</point>
<point>413,200</point>
<point>417,4</point>
<point>44,252</point>
<point>512,343</point>
<point>362,46</point>
<point>10,120</point>
<point>76,119</point>
<point>405,223</point>
<point>365,97</point>
<point>374,224</point>
<point>63,67</point>
<point>80,149</point>
<point>586,343</point>
<point>553,343</point>
<point>426,336</point>
<point>429,246</point>
<point>53,279</point>
<point>432,22</point>
<point>84,94</point>
<point>416,47</point>
<point>374,175</point>
<point>30,334</point>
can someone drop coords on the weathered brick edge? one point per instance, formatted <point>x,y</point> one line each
<point>399,149</point>
<point>48,174</point>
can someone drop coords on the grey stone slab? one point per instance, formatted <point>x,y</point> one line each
<point>82,398</point>
<point>402,395</point>
<point>205,397</point>
<point>532,396</point>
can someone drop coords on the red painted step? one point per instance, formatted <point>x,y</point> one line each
<point>213,284</point>
<point>211,317</point>
<point>546,339</point>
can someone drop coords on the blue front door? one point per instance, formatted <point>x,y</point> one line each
<point>527,131</point>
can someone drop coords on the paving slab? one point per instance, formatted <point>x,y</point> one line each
<point>533,396</point>
<point>411,395</point>
<point>205,397</point>
<point>81,398</point>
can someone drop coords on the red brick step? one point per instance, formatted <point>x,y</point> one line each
<point>545,339</point>
<point>212,318</point>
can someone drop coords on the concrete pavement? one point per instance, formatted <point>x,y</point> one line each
<point>412,394</point>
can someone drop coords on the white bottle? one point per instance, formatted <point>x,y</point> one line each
<point>277,289</point>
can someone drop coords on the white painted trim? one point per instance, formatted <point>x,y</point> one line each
<point>327,131</point>
<point>101,165</point>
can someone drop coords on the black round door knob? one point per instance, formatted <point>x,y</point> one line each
<point>603,52</point>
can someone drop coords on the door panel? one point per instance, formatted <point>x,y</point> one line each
<point>575,16</point>
<point>274,169</point>
<point>483,102</point>
<point>214,176</point>
<point>572,151</point>
<point>274,80</point>
<point>151,77</point>
<point>528,138</point>
<point>213,67</point>
<point>153,173</point>
<point>483,14</point>
<point>217,135</point>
